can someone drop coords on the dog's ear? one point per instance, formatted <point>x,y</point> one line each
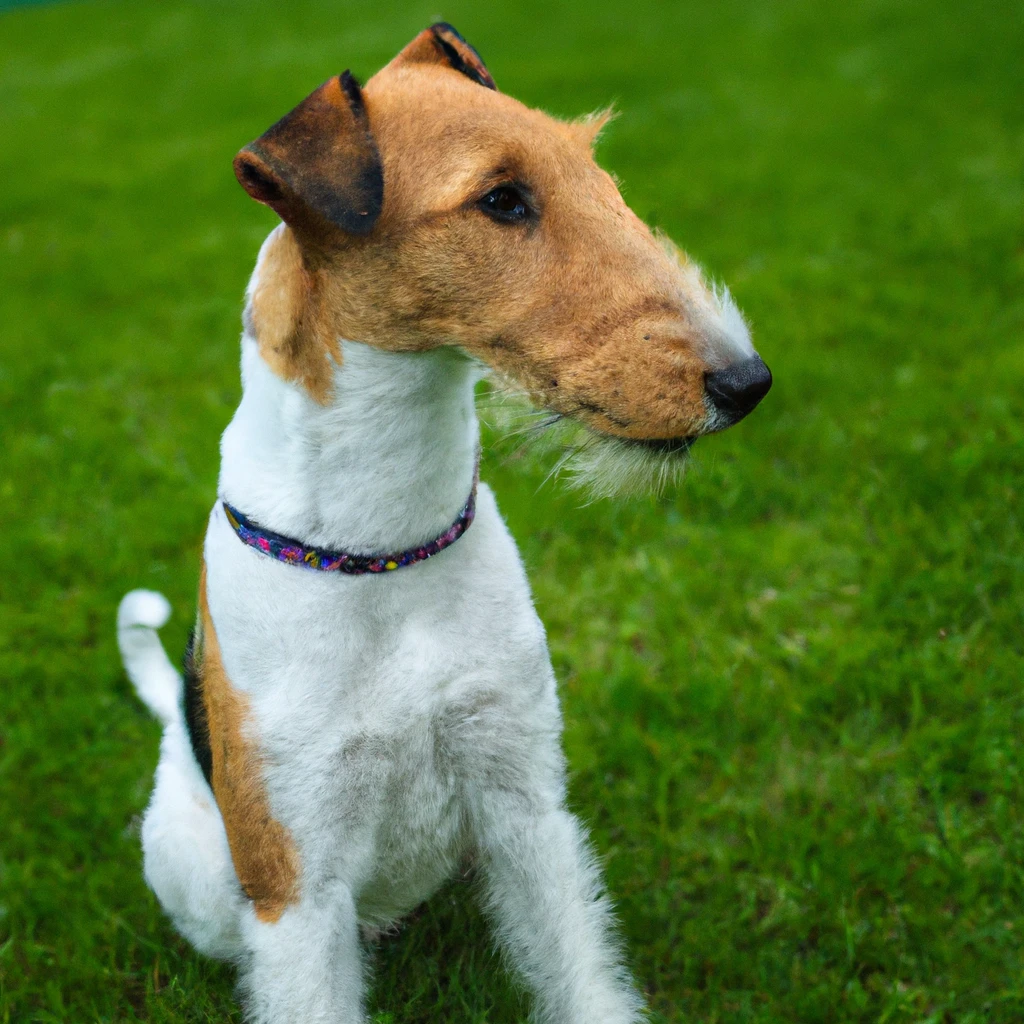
<point>319,163</point>
<point>442,44</point>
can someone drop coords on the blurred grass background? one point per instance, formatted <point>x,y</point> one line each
<point>792,689</point>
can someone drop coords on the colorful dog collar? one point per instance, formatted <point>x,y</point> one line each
<point>285,549</point>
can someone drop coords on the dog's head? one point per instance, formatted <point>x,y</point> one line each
<point>430,209</point>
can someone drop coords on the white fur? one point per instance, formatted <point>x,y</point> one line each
<point>606,467</point>
<point>725,337</point>
<point>406,720</point>
<point>139,615</point>
<point>187,861</point>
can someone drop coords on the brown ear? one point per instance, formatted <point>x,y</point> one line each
<point>319,162</point>
<point>442,44</point>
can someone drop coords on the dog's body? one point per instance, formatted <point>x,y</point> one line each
<point>345,741</point>
<point>405,719</point>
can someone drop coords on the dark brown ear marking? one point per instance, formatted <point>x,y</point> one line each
<point>319,162</point>
<point>354,94</point>
<point>461,55</point>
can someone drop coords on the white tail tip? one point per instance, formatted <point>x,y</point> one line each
<point>143,608</point>
<point>140,614</point>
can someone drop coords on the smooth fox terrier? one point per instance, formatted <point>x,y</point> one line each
<point>368,697</point>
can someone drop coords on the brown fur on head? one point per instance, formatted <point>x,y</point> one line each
<point>430,209</point>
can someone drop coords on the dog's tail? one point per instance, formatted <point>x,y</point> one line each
<point>140,614</point>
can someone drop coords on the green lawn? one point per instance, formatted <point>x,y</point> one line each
<point>793,689</point>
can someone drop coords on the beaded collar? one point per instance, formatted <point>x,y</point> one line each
<point>285,549</point>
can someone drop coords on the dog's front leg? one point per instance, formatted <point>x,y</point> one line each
<point>544,894</point>
<point>306,966</point>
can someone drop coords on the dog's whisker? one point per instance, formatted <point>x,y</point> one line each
<point>533,428</point>
<point>556,468</point>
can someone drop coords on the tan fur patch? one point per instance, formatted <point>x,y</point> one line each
<point>262,849</point>
<point>287,319</point>
<point>589,128</point>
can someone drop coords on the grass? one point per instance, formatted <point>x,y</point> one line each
<point>793,689</point>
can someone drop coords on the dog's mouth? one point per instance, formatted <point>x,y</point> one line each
<point>596,461</point>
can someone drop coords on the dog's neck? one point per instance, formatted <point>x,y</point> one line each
<point>387,464</point>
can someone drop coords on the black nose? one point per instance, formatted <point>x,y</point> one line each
<point>737,389</point>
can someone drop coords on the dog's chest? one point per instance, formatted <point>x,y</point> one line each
<point>375,706</point>
<point>367,767</point>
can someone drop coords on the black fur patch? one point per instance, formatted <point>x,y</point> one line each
<point>353,91</point>
<point>195,711</point>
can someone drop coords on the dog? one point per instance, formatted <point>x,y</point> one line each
<point>368,698</point>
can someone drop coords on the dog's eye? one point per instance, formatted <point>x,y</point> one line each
<point>507,204</point>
